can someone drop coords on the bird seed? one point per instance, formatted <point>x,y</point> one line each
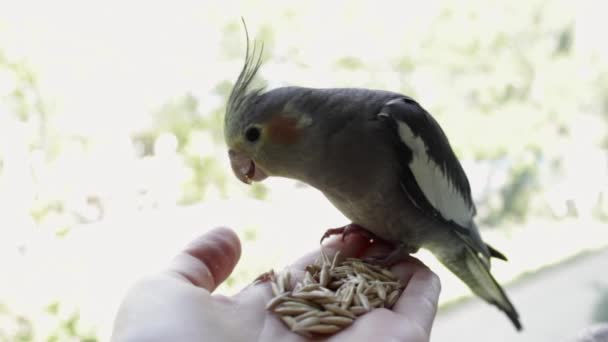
<point>332,294</point>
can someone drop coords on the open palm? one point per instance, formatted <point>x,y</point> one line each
<point>178,304</point>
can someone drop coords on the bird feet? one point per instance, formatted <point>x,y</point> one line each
<point>400,253</point>
<point>347,230</point>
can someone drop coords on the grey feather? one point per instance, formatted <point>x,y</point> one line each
<point>465,263</point>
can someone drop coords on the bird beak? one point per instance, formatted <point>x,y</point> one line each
<point>244,168</point>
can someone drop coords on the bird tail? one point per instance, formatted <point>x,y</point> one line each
<point>470,268</point>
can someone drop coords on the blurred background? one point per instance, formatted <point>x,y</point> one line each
<point>112,155</point>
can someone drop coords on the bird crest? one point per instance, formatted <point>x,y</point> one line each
<point>241,94</point>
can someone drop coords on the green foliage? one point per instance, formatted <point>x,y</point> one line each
<point>206,172</point>
<point>250,234</point>
<point>515,197</point>
<point>66,327</point>
<point>179,116</point>
<point>349,62</point>
<point>259,191</point>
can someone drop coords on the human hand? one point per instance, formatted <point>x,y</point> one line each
<point>178,304</point>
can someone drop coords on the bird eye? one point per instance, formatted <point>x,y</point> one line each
<point>252,134</point>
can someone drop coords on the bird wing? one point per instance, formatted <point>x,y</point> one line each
<point>432,178</point>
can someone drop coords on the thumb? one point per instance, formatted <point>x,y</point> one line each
<point>208,260</point>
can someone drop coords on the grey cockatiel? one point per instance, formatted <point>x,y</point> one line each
<point>378,156</point>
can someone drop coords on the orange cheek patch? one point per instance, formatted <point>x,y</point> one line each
<point>283,130</point>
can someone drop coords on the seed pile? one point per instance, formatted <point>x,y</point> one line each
<point>331,295</point>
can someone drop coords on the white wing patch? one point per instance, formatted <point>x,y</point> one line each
<point>433,182</point>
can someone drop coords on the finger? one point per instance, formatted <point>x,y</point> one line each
<point>208,260</point>
<point>353,246</point>
<point>405,269</point>
<point>420,296</point>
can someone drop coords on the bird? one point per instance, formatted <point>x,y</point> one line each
<point>378,156</point>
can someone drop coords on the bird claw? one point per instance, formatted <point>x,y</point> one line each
<point>333,231</point>
<point>347,230</point>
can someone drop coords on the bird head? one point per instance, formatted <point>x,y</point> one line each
<point>265,134</point>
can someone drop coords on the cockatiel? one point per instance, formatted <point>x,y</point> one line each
<point>378,156</point>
